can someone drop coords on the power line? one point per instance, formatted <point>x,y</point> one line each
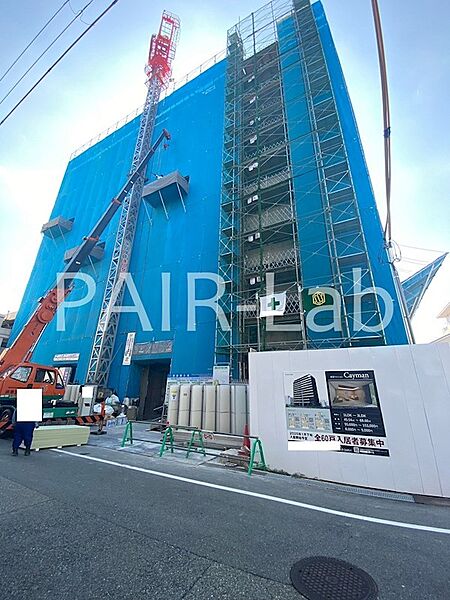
<point>46,50</point>
<point>424,249</point>
<point>58,60</point>
<point>33,40</point>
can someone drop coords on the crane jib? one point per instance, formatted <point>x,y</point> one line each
<point>91,240</point>
<point>27,339</point>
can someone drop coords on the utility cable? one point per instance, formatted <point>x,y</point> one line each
<point>58,60</point>
<point>74,12</point>
<point>46,50</point>
<point>33,40</point>
<point>424,249</point>
<point>386,119</point>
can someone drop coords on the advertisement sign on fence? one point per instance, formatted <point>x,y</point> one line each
<point>335,406</point>
<point>354,404</point>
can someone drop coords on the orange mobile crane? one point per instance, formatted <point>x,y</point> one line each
<point>16,370</point>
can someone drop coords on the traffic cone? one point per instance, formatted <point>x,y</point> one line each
<point>245,448</point>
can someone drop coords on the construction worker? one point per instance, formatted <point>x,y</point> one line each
<point>23,432</point>
<point>113,400</point>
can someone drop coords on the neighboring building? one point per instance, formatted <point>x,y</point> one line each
<point>416,285</point>
<point>445,314</point>
<point>277,183</point>
<point>6,325</point>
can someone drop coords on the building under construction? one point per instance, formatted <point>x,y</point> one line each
<point>264,183</point>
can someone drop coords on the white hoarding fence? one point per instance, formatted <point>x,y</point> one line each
<point>382,413</point>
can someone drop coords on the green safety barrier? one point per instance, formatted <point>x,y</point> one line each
<point>196,444</point>
<point>261,463</point>
<point>168,435</point>
<point>192,447</point>
<point>127,434</point>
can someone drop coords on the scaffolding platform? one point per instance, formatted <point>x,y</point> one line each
<point>95,255</point>
<point>166,190</point>
<point>57,227</point>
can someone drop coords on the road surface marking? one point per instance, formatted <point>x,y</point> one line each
<point>225,488</point>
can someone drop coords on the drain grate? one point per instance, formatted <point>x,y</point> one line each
<point>325,578</point>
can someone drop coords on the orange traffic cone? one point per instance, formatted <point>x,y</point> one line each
<point>245,448</point>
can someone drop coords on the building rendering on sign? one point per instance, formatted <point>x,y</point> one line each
<point>305,391</point>
<point>264,183</point>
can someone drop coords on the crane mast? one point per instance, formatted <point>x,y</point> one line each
<point>158,70</point>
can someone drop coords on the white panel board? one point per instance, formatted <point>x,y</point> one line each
<point>29,405</point>
<point>412,390</point>
<point>195,419</point>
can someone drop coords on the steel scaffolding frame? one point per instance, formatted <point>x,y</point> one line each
<point>260,230</point>
<point>347,246</point>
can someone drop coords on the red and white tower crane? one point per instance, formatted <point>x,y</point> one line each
<point>158,70</point>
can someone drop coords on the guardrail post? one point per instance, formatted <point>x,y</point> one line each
<point>167,434</point>
<point>192,443</point>
<point>127,434</point>
<point>261,463</point>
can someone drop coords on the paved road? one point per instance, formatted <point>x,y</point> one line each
<point>74,528</point>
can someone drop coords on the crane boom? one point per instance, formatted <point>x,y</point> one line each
<point>25,342</point>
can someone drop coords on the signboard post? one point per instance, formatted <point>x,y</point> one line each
<point>221,373</point>
<point>68,357</point>
<point>129,345</point>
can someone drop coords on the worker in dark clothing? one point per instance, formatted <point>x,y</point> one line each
<point>23,432</point>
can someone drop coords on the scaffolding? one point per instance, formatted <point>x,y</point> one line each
<point>288,203</point>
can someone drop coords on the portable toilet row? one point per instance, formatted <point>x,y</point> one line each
<point>212,407</point>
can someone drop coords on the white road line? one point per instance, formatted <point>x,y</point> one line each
<point>225,488</point>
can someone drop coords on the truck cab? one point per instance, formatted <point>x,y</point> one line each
<point>32,376</point>
<point>29,375</point>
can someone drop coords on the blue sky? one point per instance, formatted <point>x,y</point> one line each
<point>102,80</point>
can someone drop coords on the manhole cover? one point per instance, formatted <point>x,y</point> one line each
<point>324,578</point>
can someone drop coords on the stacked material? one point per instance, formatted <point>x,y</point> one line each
<point>224,409</point>
<point>221,407</point>
<point>56,436</point>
